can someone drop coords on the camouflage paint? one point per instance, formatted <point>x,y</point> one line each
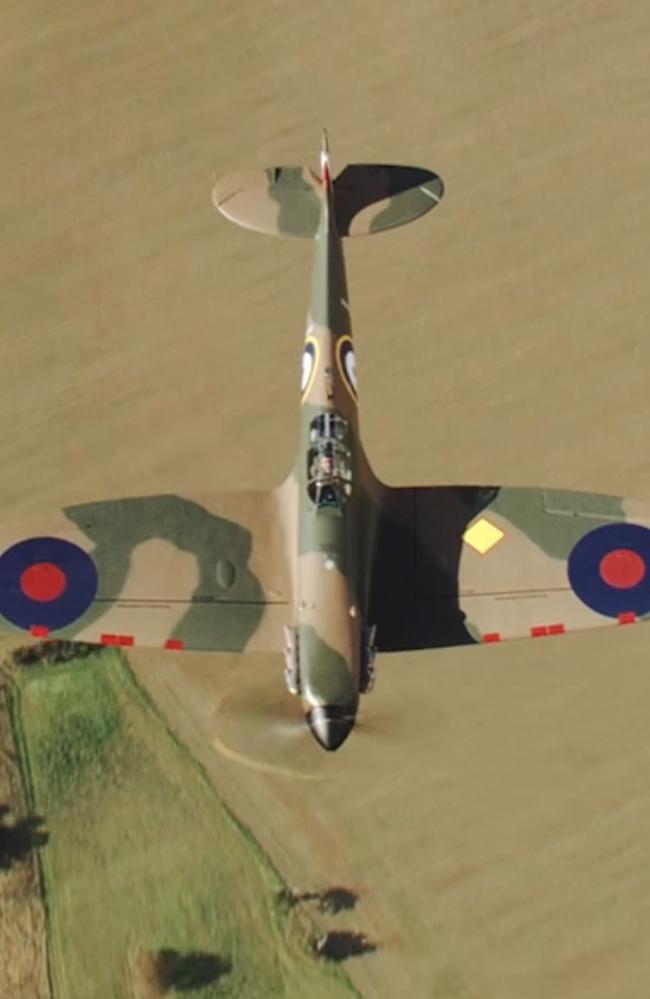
<point>228,572</point>
<point>298,214</point>
<point>328,599</point>
<point>226,615</point>
<point>552,518</point>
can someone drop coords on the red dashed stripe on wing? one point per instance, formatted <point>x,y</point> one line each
<point>39,631</point>
<point>116,639</point>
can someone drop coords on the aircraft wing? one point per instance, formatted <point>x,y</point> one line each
<point>205,573</point>
<point>462,564</point>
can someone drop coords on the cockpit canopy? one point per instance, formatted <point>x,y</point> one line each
<point>329,461</point>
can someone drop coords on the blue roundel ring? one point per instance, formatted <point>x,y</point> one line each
<point>583,569</point>
<point>77,568</point>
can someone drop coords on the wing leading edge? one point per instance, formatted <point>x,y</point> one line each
<point>460,564</point>
<point>206,573</point>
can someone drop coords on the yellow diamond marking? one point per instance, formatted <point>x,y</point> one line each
<point>483,536</point>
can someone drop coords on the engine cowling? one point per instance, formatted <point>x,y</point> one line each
<point>368,654</point>
<point>291,660</point>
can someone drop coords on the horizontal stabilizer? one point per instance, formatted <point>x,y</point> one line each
<point>280,201</point>
<point>367,198</point>
<point>372,197</point>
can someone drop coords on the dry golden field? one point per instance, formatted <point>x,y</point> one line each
<point>493,813</point>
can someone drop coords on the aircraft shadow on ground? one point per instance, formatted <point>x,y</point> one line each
<point>19,839</point>
<point>190,970</point>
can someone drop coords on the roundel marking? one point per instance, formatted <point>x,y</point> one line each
<point>346,362</point>
<point>46,582</point>
<point>622,568</point>
<point>43,581</point>
<point>608,569</point>
<point>309,366</point>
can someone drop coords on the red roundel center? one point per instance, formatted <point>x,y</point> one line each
<point>622,568</point>
<point>43,581</point>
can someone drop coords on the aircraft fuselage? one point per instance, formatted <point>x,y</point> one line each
<point>332,638</point>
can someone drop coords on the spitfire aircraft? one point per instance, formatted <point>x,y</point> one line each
<point>331,565</point>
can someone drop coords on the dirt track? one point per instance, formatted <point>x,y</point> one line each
<point>494,814</point>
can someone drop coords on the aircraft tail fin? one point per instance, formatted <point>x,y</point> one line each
<point>365,198</point>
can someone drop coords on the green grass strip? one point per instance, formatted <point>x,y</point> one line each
<point>143,858</point>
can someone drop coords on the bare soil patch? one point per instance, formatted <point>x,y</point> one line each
<point>144,976</point>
